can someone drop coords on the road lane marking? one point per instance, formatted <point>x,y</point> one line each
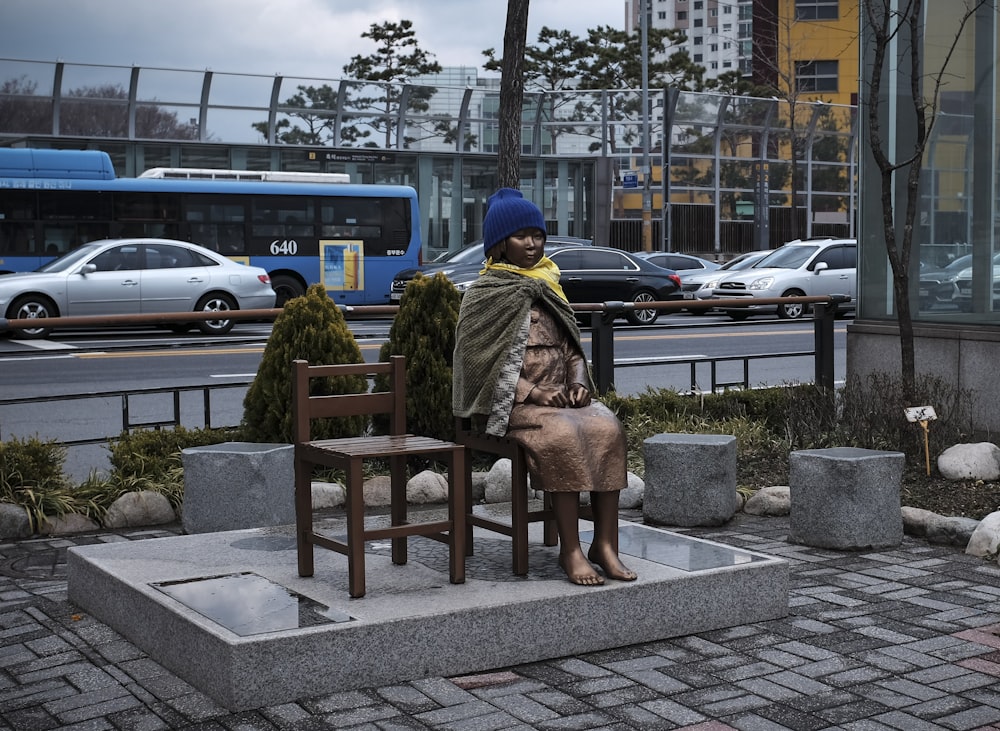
<point>43,345</point>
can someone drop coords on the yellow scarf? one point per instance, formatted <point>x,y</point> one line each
<point>546,270</point>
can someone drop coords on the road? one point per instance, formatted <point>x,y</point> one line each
<point>76,362</point>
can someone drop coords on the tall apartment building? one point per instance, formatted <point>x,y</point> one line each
<point>716,37</point>
<point>808,47</point>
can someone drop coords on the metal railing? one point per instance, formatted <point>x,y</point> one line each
<point>603,362</point>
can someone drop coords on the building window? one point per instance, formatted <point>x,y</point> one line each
<point>698,58</point>
<point>682,15</point>
<point>816,76</point>
<point>817,9</point>
<point>661,15</point>
<point>698,22</point>
<point>697,40</point>
<point>698,4</point>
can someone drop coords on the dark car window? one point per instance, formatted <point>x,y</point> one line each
<point>164,256</point>
<point>568,259</point>
<point>604,260</point>
<point>838,257</point>
<point>674,261</point>
<point>117,259</point>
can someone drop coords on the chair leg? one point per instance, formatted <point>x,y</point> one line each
<point>303,516</point>
<point>549,524</point>
<point>519,512</point>
<point>355,508</point>
<point>468,503</point>
<point>456,515</point>
<point>397,506</point>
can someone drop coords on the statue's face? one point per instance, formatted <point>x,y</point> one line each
<point>525,248</point>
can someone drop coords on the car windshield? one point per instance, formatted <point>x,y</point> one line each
<point>787,257</point>
<point>69,259</point>
<point>742,262</point>
<point>465,255</point>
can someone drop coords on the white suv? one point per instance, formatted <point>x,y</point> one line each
<point>797,269</point>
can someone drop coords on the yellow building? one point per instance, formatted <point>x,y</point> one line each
<point>815,51</point>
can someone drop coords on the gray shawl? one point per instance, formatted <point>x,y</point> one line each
<point>490,339</point>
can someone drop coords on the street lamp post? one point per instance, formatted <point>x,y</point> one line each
<point>647,193</point>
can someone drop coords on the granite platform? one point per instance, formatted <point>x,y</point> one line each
<point>228,612</point>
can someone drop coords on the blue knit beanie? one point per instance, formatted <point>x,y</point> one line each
<point>508,213</point>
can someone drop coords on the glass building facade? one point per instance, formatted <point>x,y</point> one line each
<point>954,266</point>
<point>721,174</point>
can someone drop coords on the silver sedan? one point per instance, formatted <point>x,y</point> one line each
<point>135,276</point>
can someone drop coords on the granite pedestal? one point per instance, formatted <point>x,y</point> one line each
<point>845,498</point>
<point>228,613</point>
<point>237,485</point>
<point>690,479</point>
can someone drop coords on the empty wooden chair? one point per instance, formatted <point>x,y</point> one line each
<point>348,454</point>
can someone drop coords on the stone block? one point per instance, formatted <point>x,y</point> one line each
<point>845,498</point>
<point>237,485</point>
<point>690,479</point>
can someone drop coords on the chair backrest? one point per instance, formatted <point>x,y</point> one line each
<point>306,407</point>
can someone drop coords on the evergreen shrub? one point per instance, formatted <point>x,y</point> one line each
<point>424,331</point>
<point>310,328</point>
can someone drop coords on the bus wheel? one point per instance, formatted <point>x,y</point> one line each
<point>285,288</point>
<point>32,307</point>
<point>216,303</point>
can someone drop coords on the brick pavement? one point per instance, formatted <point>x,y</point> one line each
<point>907,638</point>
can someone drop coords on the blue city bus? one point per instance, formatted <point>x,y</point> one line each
<point>303,228</point>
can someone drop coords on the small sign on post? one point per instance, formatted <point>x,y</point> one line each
<point>630,179</point>
<point>924,415</point>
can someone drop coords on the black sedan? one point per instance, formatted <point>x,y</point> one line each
<point>456,265</point>
<point>602,274</point>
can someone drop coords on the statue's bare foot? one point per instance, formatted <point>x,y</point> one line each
<point>607,558</point>
<point>578,569</point>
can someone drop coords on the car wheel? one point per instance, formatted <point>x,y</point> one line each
<point>286,288</point>
<point>792,310</point>
<point>642,317</point>
<point>216,303</point>
<point>32,307</point>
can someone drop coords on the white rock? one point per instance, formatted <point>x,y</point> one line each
<point>136,509</point>
<point>631,496</point>
<point>979,461</point>
<point>985,539</point>
<point>327,495</point>
<point>14,522</point>
<point>427,487</point>
<point>69,523</point>
<point>916,520</point>
<point>378,491</point>
<point>775,500</point>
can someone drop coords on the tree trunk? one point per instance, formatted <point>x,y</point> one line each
<point>512,94</point>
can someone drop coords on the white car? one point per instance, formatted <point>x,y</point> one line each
<point>132,277</point>
<point>798,269</point>
<point>701,285</point>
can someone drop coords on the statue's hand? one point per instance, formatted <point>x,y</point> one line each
<point>549,396</point>
<point>579,395</point>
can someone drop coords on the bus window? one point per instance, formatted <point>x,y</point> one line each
<point>16,238</point>
<point>74,205</point>
<point>142,206</point>
<point>18,205</point>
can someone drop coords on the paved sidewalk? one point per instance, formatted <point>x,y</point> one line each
<point>894,639</point>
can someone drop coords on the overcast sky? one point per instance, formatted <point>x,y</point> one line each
<point>304,38</point>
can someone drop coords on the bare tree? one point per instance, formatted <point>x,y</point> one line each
<point>512,94</point>
<point>891,25</point>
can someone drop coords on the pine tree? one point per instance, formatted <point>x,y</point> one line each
<point>424,332</point>
<point>311,328</point>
